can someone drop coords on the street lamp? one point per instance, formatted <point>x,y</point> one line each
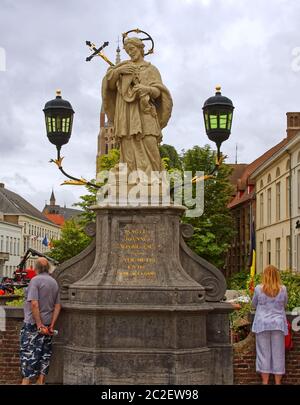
<point>59,120</point>
<point>217,112</point>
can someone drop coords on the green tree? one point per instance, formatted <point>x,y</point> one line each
<point>105,162</point>
<point>109,160</point>
<point>170,156</point>
<point>72,241</point>
<point>214,230</point>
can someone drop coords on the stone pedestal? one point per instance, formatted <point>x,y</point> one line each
<point>139,307</point>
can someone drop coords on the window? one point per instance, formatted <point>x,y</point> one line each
<point>25,243</point>
<point>261,255</point>
<point>288,252</point>
<point>269,206</point>
<point>277,253</point>
<point>297,258</point>
<point>288,165</point>
<point>261,184</point>
<point>269,178</point>
<point>298,187</point>
<point>287,197</point>
<point>277,172</point>
<point>7,244</point>
<point>278,201</point>
<point>1,243</point>
<point>268,252</point>
<point>261,209</point>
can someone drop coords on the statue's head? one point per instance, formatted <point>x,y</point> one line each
<point>131,44</point>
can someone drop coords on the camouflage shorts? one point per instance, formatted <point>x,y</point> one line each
<point>35,351</point>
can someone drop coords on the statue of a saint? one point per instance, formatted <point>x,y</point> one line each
<point>139,105</point>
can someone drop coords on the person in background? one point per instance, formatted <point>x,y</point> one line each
<point>270,325</point>
<point>41,310</point>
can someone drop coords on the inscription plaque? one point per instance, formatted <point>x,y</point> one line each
<point>137,253</point>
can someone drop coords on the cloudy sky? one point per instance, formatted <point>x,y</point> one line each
<point>251,48</point>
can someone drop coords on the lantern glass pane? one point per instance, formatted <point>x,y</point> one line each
<point>48,123</point>
<point>63,125</point>
<point>223,121</point>
<point>229,120</point>
<point>67,124</point>
<point>206,121</point>
<point>53,125</point>
<point>213,121</point>
<point>58,124</point>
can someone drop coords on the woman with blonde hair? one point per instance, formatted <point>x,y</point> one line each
<point>270,325</point>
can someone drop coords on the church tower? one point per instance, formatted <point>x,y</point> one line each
<point>118,57</point>
<point>52,198</point>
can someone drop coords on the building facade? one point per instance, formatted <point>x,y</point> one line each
<point>247,204</point>
<point>243,209</point>
<point>36,230</point>
<point>278,206</point>
<point>10,246</point>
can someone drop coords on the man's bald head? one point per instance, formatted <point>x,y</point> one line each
<point>42,265</point>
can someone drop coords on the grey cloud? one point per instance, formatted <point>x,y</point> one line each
<point>244,46</point>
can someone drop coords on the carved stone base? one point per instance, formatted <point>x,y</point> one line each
<point>140,307</point>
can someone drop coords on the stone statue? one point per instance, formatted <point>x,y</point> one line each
<point>139,105</point>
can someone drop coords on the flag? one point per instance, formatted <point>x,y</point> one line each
<point>253,258</point>
<point>45,241</point>
<point>253,251</point>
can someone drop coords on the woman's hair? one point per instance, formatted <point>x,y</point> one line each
<point>271,281</point>
<point>137,42</point>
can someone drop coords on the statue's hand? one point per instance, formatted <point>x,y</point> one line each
<point>125,70</point>
<point>141,89</point>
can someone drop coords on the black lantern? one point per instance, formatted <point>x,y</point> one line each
<point>217,111</point>
<point>59,119</point>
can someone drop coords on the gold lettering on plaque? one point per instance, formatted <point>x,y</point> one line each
<point>137,253</point>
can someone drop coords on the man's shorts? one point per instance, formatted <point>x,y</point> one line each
<point>35,351</point>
